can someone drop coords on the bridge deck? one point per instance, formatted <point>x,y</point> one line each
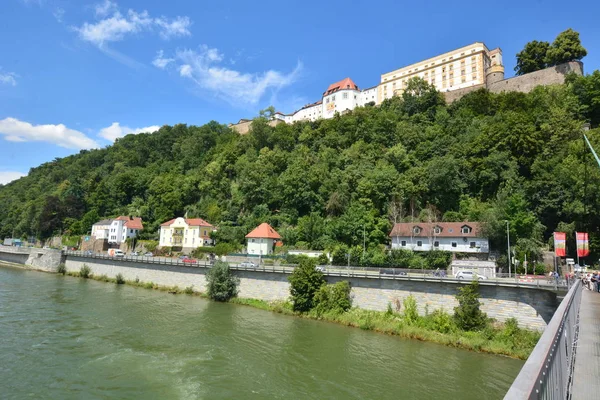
<point>586,380</point>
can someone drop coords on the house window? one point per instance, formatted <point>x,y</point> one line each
<point>131,231</point>
<point>436,244</point>
<point>403,243</point>
<point>252,240</point>
<point>333,98</point>
<point>454,244</point>
<point>466,229</point>
<point>419,243</point>
<point>344,95</point>
<point>472,245</point>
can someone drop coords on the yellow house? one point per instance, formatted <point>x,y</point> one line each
<point>187,233</point>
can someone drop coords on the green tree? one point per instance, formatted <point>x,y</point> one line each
<point>305,281</point>
<point>566,47</point>
<point>468,315</point>
<point>421,97</point>
<point>333,298</point>
<point>222,285</point>
<point>532,58</point>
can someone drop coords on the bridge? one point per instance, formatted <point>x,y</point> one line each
<point>565,363</point>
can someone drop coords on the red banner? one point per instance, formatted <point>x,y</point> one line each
<point>560,244</point>
<point>583,247</point>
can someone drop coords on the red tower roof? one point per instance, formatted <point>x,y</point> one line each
<point>263,231</point>
<point>341,85</point>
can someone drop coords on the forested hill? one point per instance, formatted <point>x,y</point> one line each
<point>488,157</point>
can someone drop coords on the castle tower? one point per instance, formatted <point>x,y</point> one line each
<point>495,72</point>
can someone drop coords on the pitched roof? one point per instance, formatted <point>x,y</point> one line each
<point>190,222</point>
<point>341,85</point>
<point>448,229</point>
<point>263,231</point>
<point>104,222</point>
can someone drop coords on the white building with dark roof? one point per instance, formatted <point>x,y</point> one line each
<point>457,237</point>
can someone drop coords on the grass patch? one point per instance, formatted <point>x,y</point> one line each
<point>119,279</point>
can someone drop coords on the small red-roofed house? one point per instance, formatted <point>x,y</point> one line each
<point>262,240</point>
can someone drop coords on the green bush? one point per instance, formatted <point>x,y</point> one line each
<point>468,315</point>
<point>120,279</point>
<point>323,260</point>
<point>441,321</point>
<point>333,298</point>
<point>149,285</point>
<point>62,269</point>
<point>411,315</point>
<point>85,271</point>
<point>304,283</point>
<point>189,290</point>
<point>222,285</point>
<point>104,278</point>
<point>150,245</point>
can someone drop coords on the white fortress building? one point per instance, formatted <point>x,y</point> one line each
<point>339,97</point>
<point>454,74</point>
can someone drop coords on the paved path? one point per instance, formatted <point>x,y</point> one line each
<point>586,380</point>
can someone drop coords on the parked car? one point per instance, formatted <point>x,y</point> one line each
<point>148,254</point>
<point>247,264</point>
<point>88,253</point>
<point>320,268</point>
<point>135,253</point>
<point>469,275</point>
<point>188,260</point>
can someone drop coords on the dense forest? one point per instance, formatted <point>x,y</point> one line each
<point>487,157</point>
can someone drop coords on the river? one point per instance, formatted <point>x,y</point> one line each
<point>69,338</point>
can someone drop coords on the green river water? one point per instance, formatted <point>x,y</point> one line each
<point>68,338</point>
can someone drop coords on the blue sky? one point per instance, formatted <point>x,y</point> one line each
<point>76,74</point>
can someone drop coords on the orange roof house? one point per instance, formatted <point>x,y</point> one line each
<point>262,240</point>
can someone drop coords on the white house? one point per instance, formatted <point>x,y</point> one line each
<point>101,228</point>
<point>117,230</point>
<point>188,233</point>
<point>262,240</point>
<point>458,237</point>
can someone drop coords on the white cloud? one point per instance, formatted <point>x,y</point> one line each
<point>160,61</point>
<point>239,88</point>
<point>59,13</point>
<point>116,131</point>
<point>20,131</point>
<point>105,8</point>
<point>114,26</point>
<point>179,26</point>
<point>8,78</point>
<point>9,176</point>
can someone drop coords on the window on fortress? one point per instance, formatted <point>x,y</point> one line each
<point>474,77</point>
<point>451,76</point>
<point>432,81</point>
<point>333,98</point>
<point>464,79</point>
<point>327,100</point>
<point>474,69</point>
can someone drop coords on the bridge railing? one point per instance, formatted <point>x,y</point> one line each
<point>333,270</point>
<point>548,372</point>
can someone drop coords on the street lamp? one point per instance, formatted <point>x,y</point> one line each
<point>508,243</point>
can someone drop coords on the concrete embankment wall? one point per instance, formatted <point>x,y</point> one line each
<point>33,258</point>
<point>533,308</point>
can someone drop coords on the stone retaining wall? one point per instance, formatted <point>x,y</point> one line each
<point>533,308</point>
<point>34,258</point>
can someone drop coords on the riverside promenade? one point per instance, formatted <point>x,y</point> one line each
<point>586,374</point>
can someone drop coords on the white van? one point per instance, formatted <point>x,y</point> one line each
<point>116,253</point>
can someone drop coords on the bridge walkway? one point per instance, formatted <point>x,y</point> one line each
<point>586,374</point>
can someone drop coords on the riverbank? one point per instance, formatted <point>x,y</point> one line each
<point>437,327</point>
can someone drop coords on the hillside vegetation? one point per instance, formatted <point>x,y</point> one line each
<point>488,157</point>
